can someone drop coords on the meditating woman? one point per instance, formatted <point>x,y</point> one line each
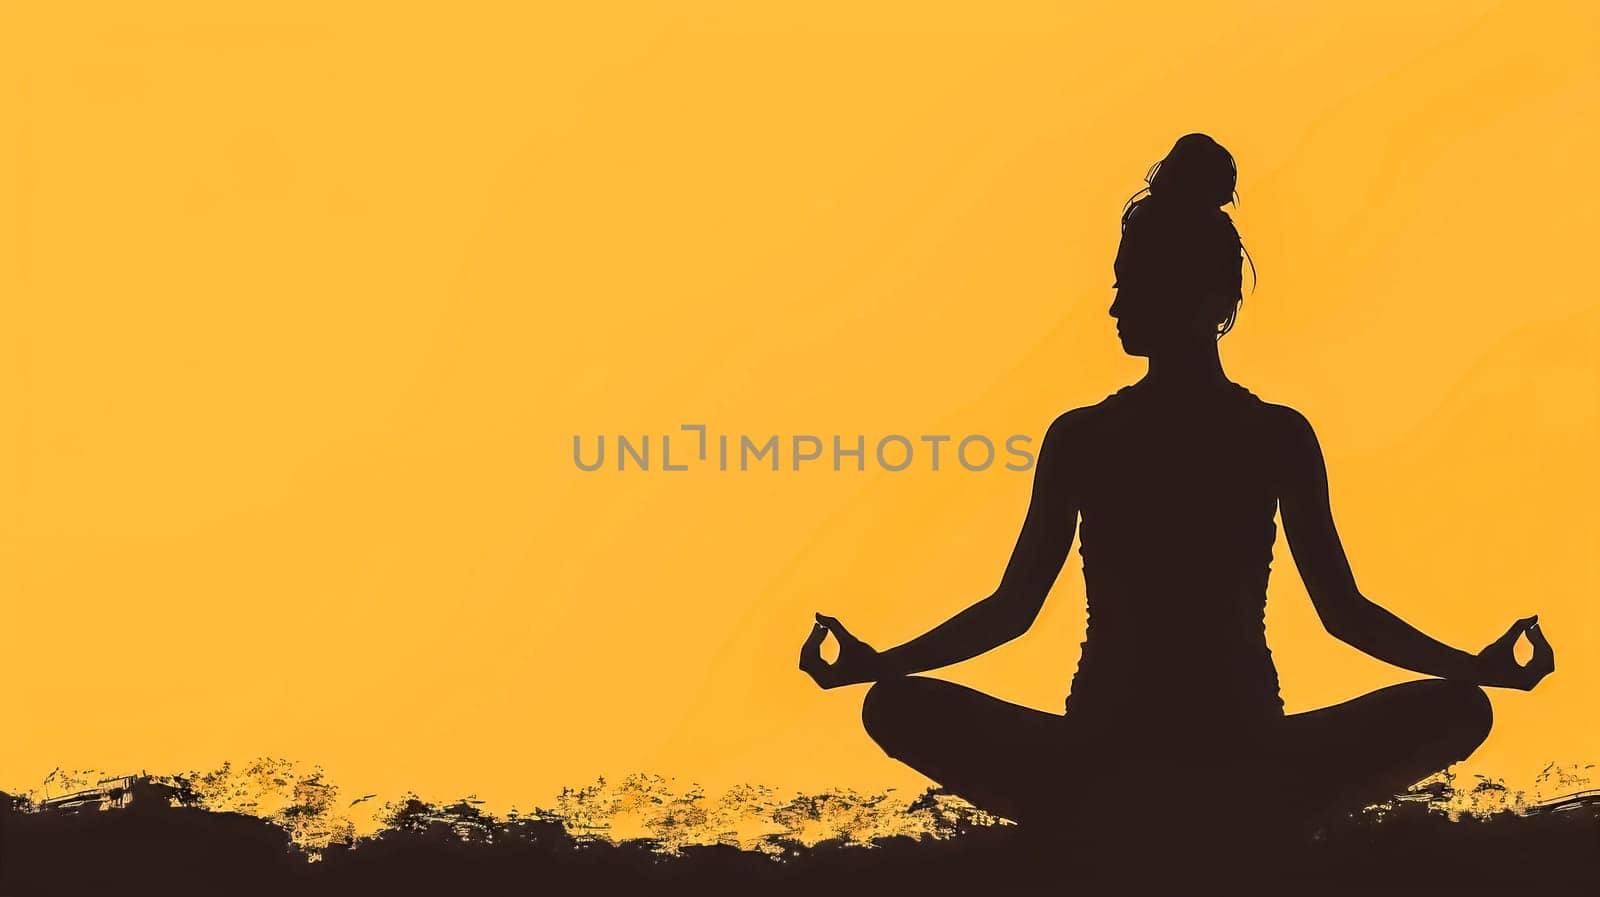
<point>1176,479</point>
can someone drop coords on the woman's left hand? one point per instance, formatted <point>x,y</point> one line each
<point>857,661</point>
<point>1497,665</point>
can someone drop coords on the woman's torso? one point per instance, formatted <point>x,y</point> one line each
<point>1177,499</point>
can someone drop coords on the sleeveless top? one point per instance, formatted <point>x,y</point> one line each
<point>1177,504</point>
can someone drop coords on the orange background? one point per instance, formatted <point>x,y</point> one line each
<point>304,303</point>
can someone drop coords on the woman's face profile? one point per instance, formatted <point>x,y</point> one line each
<point>1154,312</point>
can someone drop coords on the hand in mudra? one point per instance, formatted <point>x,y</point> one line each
<point>857,660</point>
<point>1497,663</point>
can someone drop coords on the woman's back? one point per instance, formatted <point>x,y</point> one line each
<point>1177,508</point>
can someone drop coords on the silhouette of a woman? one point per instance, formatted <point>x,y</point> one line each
<point>1176,479</point>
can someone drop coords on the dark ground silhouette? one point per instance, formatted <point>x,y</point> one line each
<point>169,849</point>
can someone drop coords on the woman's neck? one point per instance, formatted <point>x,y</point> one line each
<point>1191,368</point>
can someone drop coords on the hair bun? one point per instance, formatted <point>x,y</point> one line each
<point>1198,172</point>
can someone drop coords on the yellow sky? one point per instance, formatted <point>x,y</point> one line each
<point>303,307</point>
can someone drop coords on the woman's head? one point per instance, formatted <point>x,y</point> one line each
<point>1179,268</point>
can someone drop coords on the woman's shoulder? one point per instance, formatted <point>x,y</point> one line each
<point>1276,409</point>
<point>1074,424</point>
<point>1085,414</point>
<point>1283,420</point>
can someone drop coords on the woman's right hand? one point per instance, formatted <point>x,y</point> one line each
<point>857,661</point>
<point>1497,665</point>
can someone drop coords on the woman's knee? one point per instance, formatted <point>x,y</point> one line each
<point>1478,714</point>
<point>1465,712</point>
<point>894,708</point>
<point>884,707</point>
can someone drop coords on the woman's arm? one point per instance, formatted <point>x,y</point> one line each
<point>1349,616</point>
<point>1036,560</point>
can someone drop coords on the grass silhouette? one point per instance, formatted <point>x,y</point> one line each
<point>167,835</point>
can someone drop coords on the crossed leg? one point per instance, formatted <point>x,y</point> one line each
<point>999,756</point>
<point>1026,764</point>
<point>1373,747</point>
